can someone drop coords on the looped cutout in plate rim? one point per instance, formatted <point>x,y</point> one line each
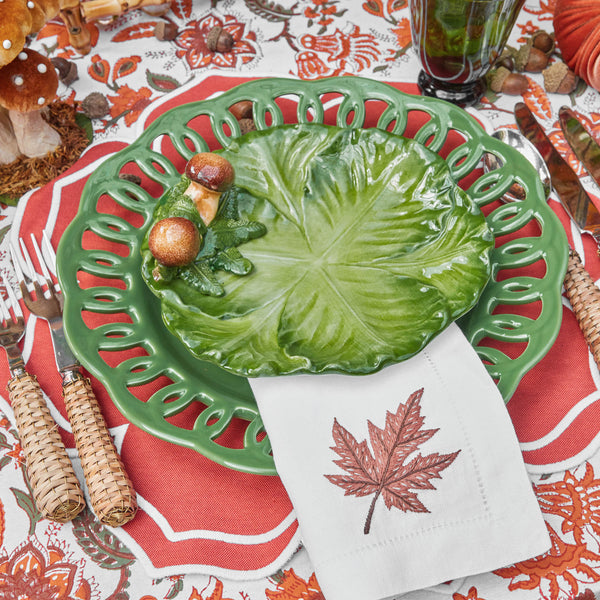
<point>227,399</point>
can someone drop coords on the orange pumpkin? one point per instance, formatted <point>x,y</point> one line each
<point>577,33</point>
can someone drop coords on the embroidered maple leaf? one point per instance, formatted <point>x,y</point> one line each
<point>388,472</point>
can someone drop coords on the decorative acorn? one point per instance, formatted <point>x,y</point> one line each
<point>577,31</point>
<point>219,40</point>
<point>559,79</point>
<point>544,41</point>
<point>165,31</point>
<point>507,59</point>
<point>504,81</point>
<point>530,59</point>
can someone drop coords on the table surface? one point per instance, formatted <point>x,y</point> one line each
<point>555,409</point>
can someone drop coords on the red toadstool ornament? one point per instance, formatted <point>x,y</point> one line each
<point>27,85</point>
<point>577,33</point>
<point>20,18</point>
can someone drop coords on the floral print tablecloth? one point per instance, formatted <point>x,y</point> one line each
<point>309,39</point>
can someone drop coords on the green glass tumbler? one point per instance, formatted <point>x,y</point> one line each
<point>458,41</point>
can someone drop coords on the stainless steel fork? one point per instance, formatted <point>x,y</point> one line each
<point>53,482</point>
<point>111,492</point>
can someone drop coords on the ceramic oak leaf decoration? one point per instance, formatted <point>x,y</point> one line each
<point>390,470</point>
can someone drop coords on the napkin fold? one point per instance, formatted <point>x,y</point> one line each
<point>405,478</point>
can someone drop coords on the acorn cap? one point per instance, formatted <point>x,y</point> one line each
<point>210,170</point>
<point>497,78</point>
<point>529,58</point>
<point>27,83</point>
<point>15,25</point>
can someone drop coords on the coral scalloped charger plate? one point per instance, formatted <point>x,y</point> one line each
<point>114,323</point>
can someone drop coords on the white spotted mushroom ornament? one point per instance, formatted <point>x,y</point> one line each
<point>27,85</point>
<point>20,18</point>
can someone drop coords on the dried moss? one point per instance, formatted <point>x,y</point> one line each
<point>25,174</point>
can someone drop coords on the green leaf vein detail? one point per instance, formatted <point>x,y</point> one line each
<point>371,250</point>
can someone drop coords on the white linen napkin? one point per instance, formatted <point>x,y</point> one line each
<point>402,479</point>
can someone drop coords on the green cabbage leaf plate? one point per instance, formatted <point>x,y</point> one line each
<point>371,250</point>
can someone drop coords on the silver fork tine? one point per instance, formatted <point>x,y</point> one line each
<point>12,297</point>
<point>48,253</point>
<point>42,261</point>
<point>17,265</point>
<point>4,311</point>
<point>31,274</point>
<point>53,288</point>
<point>3,308</point>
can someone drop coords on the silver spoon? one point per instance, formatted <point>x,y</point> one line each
<point>520,143</point>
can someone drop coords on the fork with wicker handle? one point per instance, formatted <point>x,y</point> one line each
<point>55,487</point>
<point>111,493</point>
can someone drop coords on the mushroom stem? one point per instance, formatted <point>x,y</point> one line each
<point>207,201</point>
<point>34,135</point>
<point>9,150</point>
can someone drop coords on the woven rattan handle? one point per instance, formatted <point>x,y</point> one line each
<point>111,492</point>
<point>55,486</point>
<point>584,296</point>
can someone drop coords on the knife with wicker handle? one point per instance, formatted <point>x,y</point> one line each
<point>580,288</point>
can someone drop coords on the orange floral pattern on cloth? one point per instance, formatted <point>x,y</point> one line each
<point>402,33</point>
<point>472,594</point>
<point>322,13</point>
<point>2,524</point>
<point>35,572</point>
<point>576,501</point>
<point>16,454</point>
<point>213,591</point>
<point>384,10</point>
<point>192,41</point>
<point>336,53</point>
<point>293,587</point>
<point>308,39</point>
<point>568,566</point>
<point>129,103</point>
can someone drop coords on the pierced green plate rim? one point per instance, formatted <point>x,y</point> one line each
<point>228,397</point>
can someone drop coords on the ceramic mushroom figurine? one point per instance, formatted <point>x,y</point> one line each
<point>210,175</point>
<point>27,85</point>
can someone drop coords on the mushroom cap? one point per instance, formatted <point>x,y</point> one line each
<point>212,171</point>
<point>15,25</point>
<point>50,7</point>
<point>38,16</point>
<point>27,83</point>
<point>174,241</point>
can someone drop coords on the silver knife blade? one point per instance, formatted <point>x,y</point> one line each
<point>572,195</point>
<point>581,141</point>
<point>65,359</point>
